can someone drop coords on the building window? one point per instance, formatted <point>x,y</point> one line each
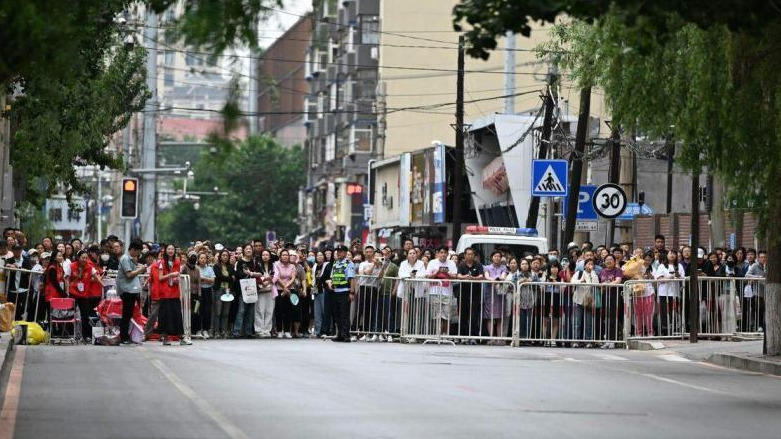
<point>334,89</point>
<point>320,105</point>
<point>351,40</point>
<point>74,215</point>
<point>168,78</point>
<point>370,31</point>
<point>169,57</point>
<point>330,147</point>
<point>360,139</point>
<point>193,60</point>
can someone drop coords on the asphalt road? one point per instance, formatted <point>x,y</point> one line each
<point>311,388</point>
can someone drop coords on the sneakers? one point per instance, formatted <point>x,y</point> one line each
<point>185,341</point>
<point>390,339</point>
<point>575,345</point>
<point>608,346</point>
<point>205,335</point>
<point>589,346</point>
<point>363,338</point>
<point>287,335</point>
<point>281,335</point>
<point>373,338</point>
<point>166,341</point>
<point>354,338</point>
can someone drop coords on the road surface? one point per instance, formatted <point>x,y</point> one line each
<point>317,389</point>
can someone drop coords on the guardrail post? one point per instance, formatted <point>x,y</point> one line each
<point>516,315</point>
<point>627,312</point>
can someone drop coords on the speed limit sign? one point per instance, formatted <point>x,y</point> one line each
<point>609,200</point>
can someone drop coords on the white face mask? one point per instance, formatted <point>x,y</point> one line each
<point>104,257</point>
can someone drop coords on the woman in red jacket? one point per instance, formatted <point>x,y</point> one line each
<point>54,276</point>
<point>165,275</point>
<point>83,276</point>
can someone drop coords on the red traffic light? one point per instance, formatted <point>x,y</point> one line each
<point>353,189</point>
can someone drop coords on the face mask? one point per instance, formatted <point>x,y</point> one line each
<point>311,259</point>
<point>553,258</point>
<point>104,257</point>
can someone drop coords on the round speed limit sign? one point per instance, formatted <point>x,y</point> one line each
<point>609,200</point>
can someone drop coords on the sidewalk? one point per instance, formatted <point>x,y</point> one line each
<point>745,355</point>
<point>5,359</point>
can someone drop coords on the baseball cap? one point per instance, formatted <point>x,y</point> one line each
<point>342,248</point>
<point>219,247</point>
<point>571,245</point>
<point>700,253</point>
<point>32,252</point>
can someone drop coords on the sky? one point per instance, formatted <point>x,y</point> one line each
<point>280,22</point>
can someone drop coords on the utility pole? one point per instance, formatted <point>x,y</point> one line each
<point>547,127</point>
<point>148,153</point>
<point>459,152</point>
<point>379,150</point>
<point>614,177</point>
<point>694,286</point>
<point>670,158</point>
<point>509,74</point>
<point>252,103</point>
<point>576,162</point>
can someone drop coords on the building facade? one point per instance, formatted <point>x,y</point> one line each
<point>282,85</point>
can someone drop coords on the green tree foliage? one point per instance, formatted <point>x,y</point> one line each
<point>705,72</point>
<point>261,179</point>
<point>77,84</point>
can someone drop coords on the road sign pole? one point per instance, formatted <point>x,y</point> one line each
<point>577,165</point>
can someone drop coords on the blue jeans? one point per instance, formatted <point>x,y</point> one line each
<point>319,300</point>
<point>583,322</point>
<point>526,321</point>
<point>245,319</point>
<point>388,310</point>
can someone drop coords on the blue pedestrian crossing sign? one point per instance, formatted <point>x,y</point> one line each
<point>549,178</point>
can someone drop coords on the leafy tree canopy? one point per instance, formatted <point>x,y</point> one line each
<point>487,20</point>
<point>261,179</point>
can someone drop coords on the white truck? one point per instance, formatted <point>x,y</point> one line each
<point>486,239</point>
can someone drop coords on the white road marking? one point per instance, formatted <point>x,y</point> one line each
<point>673,357</point>
<point>682,384</point>
<point>231,429</point>
<point>610,357</point>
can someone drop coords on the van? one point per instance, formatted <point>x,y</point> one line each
<point>519,241</point>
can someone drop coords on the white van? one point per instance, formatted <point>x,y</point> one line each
<point>484,239</point>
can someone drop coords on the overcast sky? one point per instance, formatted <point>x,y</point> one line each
<point>280,22</point>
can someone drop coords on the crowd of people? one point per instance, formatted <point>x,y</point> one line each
<point>288,291</point>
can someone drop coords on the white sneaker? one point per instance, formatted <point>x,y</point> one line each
<point>185,341</point>
<point>382,338</point>
<point>280,335</point>
<point>609,346</point>
<point>373,338</point>
<point>354,338</point>
<point>575,345</point>
<point>363,338</point>
<point>287,335</point>
<point>205,335</point>
<point>390,339</point>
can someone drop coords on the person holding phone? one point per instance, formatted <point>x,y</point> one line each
<point>129,287</point>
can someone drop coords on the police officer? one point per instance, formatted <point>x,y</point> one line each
<point>341,282</point>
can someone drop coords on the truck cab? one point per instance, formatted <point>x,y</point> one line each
<point>486,239</point>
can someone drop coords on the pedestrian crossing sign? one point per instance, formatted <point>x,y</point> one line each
<point>549,178</point>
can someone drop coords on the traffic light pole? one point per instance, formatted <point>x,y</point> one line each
<point>148,152</point>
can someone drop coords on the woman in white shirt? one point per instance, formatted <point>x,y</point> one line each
<point>585,304</point>
<point>671,275</point>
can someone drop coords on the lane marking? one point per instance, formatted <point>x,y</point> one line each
<point>673,357</point>
<point>231,429</point>
<point>682,384</point>
<point>12,392</point>
<point>610,357</point>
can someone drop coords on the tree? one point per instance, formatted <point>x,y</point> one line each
<point>78,84</point>
<point>705,72</point>
<point>261,179</point>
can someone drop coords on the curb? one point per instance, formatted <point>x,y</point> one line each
<point>6,359</point>
<point>746,362</point>
<point>645,345</point>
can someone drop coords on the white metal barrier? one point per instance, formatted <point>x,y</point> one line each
<point>448,310</point>
<point>376,310</point>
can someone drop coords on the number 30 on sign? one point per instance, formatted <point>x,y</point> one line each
<point>609,200</point>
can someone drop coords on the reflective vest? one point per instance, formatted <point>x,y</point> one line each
<point>339,275</point>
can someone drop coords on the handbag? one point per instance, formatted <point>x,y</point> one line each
<point>249,290</point>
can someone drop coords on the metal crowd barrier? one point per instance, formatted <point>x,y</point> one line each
<point>452,310</point>
<point>376,310</point>
<point>23,288</point>
<point>728,306</point>
<point>577,314</point>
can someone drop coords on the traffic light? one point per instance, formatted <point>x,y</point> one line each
<point>129,206</point>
